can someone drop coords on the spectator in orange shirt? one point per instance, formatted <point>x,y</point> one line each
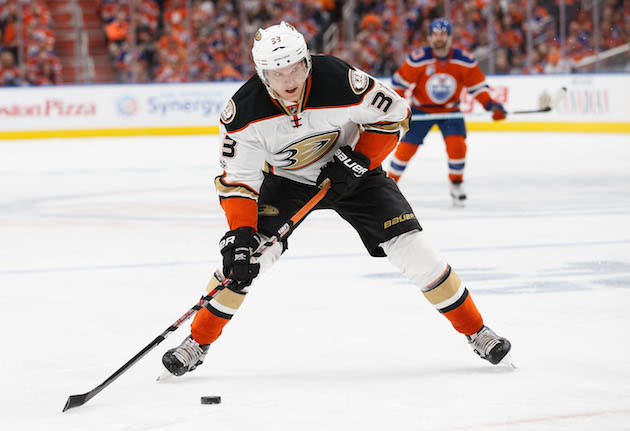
<point>9,33</point>
<point>117,30</point>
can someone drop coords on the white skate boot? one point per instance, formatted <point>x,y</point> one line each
<point>458,194</point>
<point>489,346</point>
<point>185,357</point>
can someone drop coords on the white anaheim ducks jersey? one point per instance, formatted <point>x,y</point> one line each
<point>260,133</point>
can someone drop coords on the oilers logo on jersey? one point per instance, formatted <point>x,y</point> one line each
<point>437,83</point>
<point>440,87</point>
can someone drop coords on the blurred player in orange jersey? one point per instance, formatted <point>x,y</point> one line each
<point>436,75</point>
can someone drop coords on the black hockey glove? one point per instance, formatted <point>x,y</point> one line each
<point>344,171</point>
<point>237,247</point>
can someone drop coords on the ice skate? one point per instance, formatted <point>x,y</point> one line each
<point>488,345</point>
<point>185,357</point>
<point>458,193</point>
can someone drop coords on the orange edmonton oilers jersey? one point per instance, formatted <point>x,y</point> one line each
<point>438,82</point>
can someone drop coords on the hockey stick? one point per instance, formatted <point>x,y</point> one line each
<point>221,282</point>
<point>547,104</point>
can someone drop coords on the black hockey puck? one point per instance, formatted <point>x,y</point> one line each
<point>215,399</point>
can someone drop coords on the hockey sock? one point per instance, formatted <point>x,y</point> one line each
<point>403,154</point>
<point>451,298</point>
<point>210,320</point>
<point>456,150</point>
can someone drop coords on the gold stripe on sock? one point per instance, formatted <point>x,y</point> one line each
<point>444,291</point>
<point>212,284</point>
<point>229,298</point>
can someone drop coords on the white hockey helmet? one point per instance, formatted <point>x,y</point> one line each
<point>279,46</point>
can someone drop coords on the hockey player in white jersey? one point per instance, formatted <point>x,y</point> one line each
<point>300,120</point>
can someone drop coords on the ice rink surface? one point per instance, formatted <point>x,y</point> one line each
<point>105,242</point>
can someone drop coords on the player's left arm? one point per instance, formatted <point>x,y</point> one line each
<point>383,118</point>
<point>475,82</point>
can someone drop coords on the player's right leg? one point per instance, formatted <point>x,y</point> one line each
<point>278,200</point>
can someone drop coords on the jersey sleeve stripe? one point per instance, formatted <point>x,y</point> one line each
<point>230,190</point>
<point>399,82</point>
<point>480,88</point>
<point>466,64</point>
<point>419,63</point>
<point>390,128</point>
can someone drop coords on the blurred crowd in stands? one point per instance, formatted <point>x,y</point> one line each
<point>385,26</point>
<point>37,63</point>
<point>209,40</point>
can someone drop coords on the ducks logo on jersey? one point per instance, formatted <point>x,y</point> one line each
<point>306,151</point>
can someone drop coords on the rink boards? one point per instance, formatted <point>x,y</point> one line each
<point>596,103</point>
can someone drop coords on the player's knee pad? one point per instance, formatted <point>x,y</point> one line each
<point>455,146</point>
<point>415,257</point>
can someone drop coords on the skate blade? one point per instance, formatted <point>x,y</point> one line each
<point>507,362</point>
<point>165,376</point>
<point>457,203</point>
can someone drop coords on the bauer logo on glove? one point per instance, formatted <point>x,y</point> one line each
<point>353,166</point>
<point>344,171</point>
